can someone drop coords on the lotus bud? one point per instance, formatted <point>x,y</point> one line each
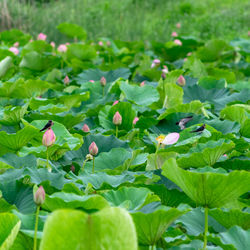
<point>181,80</point>
<point>41,36</point>
<point>85,128</point>
<point>49,138</point>
<point>136,119</point>
<point>178,25</point>
<point>142,84</point>
<point>14,50</point>
<point>93,149</point>
<point>117,119</point>
<point>62,48</point>
<point>189,53</point>
<point>39,196</point>
<point>163,75</point>
<point>66,80</point>
<point>174,34</point>
<point>185,59</point>
<point>53,44</point>
<point>177,42</point>
<point>165,69</point>
<point>91,81</point>
<point>100,43</point>
<point>171,139</point>
<point>115,102</point>
<point>16,44</point>
<point>248,33</point>
<point>103,81</point>
<point>108,43</point>
<point>89,157</point>
<point>155,63</point>
<point>72,168</point>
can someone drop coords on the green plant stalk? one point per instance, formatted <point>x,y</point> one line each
<point>116,131</point>
<point>206,228</point>
<point>102,91</point>
<point>83,165</point>
<point>156,152</point>
<point>47,151</point>
<point>36,226</point>
<point>93,168</point>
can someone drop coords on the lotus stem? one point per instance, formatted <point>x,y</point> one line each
<point>116,131</point>
<point>103,91</point>
<point>47,164</point>
<point>36,226</point>
<point>83,165</point>
<point>93,168</point>
<point>156,152</point>
<point>206,228</point>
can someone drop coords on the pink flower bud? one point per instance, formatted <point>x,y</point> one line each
<point>41,36</point>
<point>178,25</point>
<point>31,40</point>
<point>163,75</point>
<point>189,53</point>
<point>248,33</point>
<point>171,139</point>
<point>16,44</point>
<point>165,69</point>
<point>136,119</point>
<point>185,59</point>
<point>103,81</point>
<point>85,128</point>
<point>174,34</point>
<point>142,84</point>
<point>181,80</point>
<point>117,119</point>
<point>72,168</point>
<point>100,43</point>
<point>108,43</point>
<point>49,138</point>
<point>155,63</point>
<point>177,42</point>
<point>14,50</point>
<point>93,149</point>
<point>66,80</point>
<point>53,44</point>
<point>67,43</point>
<point>91,81</point>
<point>115,102</point>
<point>39,196</point>
<point>62,48</point>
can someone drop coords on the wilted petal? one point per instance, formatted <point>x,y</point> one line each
<point>171,139</point>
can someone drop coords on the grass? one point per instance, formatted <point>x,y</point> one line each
<point>130,20</point>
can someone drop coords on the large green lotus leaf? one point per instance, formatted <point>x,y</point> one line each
<point>150,226</point>
<point>130,198</point>
<point>240,85</point>
<point>195,67</point>
<point>219,73</point>
<point>70,200</point>
<point>97,74</point>
<point>109,160</point>
<point>38,46</point>
<point>237,237</point>
<point>209,82</point>
<point>145,95</point>
<point>205,153</point>
<point>24,89</point>
<point>125,110</point>
<point>110,228</point>
<point>82,52</point>
<point>208,189</point>
<point>235,163</point>
<point>9,227</point>
<point>12,115</point>
<point>232,217</point>
<point>22,242</point>
<point>225,126</point>
<point>238,113</point>
<point>195,107</point>
<point>5,65</point>
<point>33,61</point>
<point>72,30</point>
<point>14,35</point>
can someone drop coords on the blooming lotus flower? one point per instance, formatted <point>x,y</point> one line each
<point>93,149</point>
<point>136,119</point>
<point>39,196</point>
<point>117,119</point>
<point>62,48</point>
<point>66,80</point>
<point>85,128</point>
<point>174,34</point>
<point>115,102</point>
<point>91,81</point>
<point>16,44</point>
<point>100,43</point>
<point>178,25</point>
<point>181,80</point>
<point>171,139</point>
<point>165,69</point>
<point>49,138</point>
<point>142,84</point>
<point>14,50</point>
<point>160,138</point>
<point>53,44</point>
<point>41,36</point>
<point>103,81</point>
<point>177,42</point>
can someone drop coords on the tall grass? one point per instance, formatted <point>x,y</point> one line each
<point>131,19</point>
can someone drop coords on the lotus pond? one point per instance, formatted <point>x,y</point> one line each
<point>147,148</point>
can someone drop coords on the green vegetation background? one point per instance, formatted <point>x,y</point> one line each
<point>130,20</point>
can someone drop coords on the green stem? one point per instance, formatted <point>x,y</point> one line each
<point>36,225</point>
<point>116,131</point>
<point>83,165</point>
<point>93,169</point>
<point>206,228</point>
<point>47,158</point>
<point>103,91</point>
<point>156,151</point>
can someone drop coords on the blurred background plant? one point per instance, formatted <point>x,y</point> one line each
<point>129,20</point>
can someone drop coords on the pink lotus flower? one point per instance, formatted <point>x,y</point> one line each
<point>142,84</point>
<point>108,43</point>
<point>103,81</point>
<point>72,168</point>
<point>66,80</point>
<point>62,48</point>
<point>39,196</point>
<point>115,102</point>
<point>53,44</point>
<point>185,59</point>
<point>178,25</point>
<point>177,42</point>
<point>93,149</point>
<point>49,138</point>
<point>91,81</point>
<point>189,53</point>
<point>117,119</point>
<point>100,43</point>
<point>181,80</point>
<point>136,119</point>
<point>174,34</point>
<point>85,128</point>
<point>165,69</point>
<point>155,63</point>
<point>14,50</point>
<point>41,36</point>
<point>171,139</point>
<point>31,40</point>
<point>67,44</point>
<point>16,44</point>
